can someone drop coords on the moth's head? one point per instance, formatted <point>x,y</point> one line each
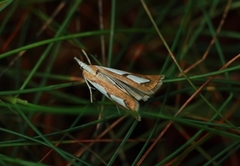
<point>81,64</point>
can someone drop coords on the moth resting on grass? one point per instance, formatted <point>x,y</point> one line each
<point>122,87</point>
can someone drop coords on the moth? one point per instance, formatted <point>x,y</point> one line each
<point>122,87</point>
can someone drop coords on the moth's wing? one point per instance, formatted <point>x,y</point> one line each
<point>147,84</point>
<point>107,88</point>
<point>153,83</point>
<point>138,95</point>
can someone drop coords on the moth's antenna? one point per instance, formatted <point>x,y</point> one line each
<point>85,54</point>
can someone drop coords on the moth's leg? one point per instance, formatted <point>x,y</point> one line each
<point>90,90</point>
